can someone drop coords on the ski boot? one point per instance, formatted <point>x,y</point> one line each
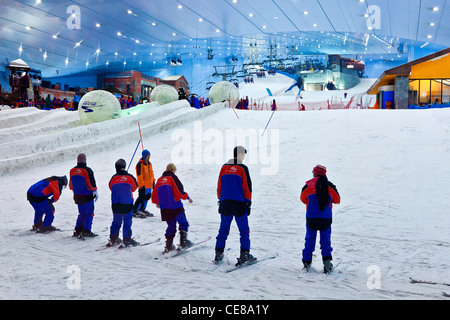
<point>169,245</point>
<point>127,242</point>
<point>36,227</point>
<point>219,256</point>
<point>88,234</point>
<point>327,266</point>
<point>306,265</point>
<point>47,229</point>
<point>245,257</point>
<point>184,242</point>
<point>113,240</point>
<point>139,214</point>
<point>146,213</point>
<point>77,232</point>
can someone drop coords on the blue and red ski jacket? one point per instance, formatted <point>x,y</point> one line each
<point>168,193</point>
<point>234,188</point>
<point>82,182</point>
<point>42,190</point>
<point>315,218</point>
<point>122,186</point>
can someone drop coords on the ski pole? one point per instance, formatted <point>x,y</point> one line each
<point>133,155</point>
<point>268,122</point>
<point>140,134</point>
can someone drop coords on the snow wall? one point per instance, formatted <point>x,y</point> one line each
<point>30,138</point>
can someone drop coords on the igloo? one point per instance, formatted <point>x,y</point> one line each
<point>222,91</point>
<point>98,106</point>
<point>164,94</point>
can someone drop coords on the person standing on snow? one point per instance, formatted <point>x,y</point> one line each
<point>318,194</point>
<point>167,195</point>
<point>122,186</point>
<point>41,196</point>
<point>146,182</point>
<point>234,190</point>
<point>83,185</point>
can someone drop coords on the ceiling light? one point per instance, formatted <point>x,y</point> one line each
<point>429,36</point>
<point>217,30</point>
<point>119,34</point>
<point>45,55</point>
<point>250,15</point>
<point>180,6</point>
<point>432,24</point>
<point>153,23</point>
<point>235,1</point>
<point>55,36</point>
<point>129,11</point>
<point>66,61</point>
<point>305,12</point>
<point>314,25</point>
<point>20,49</point>
<point>174,34</point>
<point>98,25</point>
<point>200,19</point>
<point>264,27</point>
<point>137,41</point>
<point>28,27</point>
<point>435,9</point>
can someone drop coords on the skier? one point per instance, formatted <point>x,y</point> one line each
<point>318,194</point>
<point>234,190</point>
<point>122,186</point>
<point>82,183</point>
<point>167,195</point>
<point>41,196</point>
<point>298,83</point>
<point>146,182</point>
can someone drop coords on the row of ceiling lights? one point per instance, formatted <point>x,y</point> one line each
<point>130,12</point>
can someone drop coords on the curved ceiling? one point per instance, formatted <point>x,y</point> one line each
<point>63,37</point>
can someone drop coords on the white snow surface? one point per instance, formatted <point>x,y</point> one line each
<point>390,168</point>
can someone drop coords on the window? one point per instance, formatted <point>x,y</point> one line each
<point>446,91</point>
<point>436,91</point>
<point>425,94</point>
<point>413,92</point>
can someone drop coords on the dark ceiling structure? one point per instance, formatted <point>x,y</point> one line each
<point>66,37</point>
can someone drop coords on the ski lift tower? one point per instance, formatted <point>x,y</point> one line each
<point>224,71</point>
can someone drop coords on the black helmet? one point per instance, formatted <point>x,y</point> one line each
<point>63,180</point>
<point>120,164</point>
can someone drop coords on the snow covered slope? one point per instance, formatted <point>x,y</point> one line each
<point>390,167</point>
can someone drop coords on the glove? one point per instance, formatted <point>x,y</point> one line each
<point>249,204</point>
<point>95,193</point>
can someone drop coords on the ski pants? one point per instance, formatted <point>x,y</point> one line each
<point>172,225</point>
<point>127,219</point>
<point>141,203</point>
<point>43,208</point>
<point>85,216</point>
<point>224,230</point>
<point>310,243</point>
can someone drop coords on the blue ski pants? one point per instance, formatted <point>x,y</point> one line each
<point>172,224</point>
<point>85,216</point>
<point>310,243</point>
<point>224,230</point>
<point>41,209</point>
<point>127,220</point>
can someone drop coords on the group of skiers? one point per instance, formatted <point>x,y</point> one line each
<point>234,191</point>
